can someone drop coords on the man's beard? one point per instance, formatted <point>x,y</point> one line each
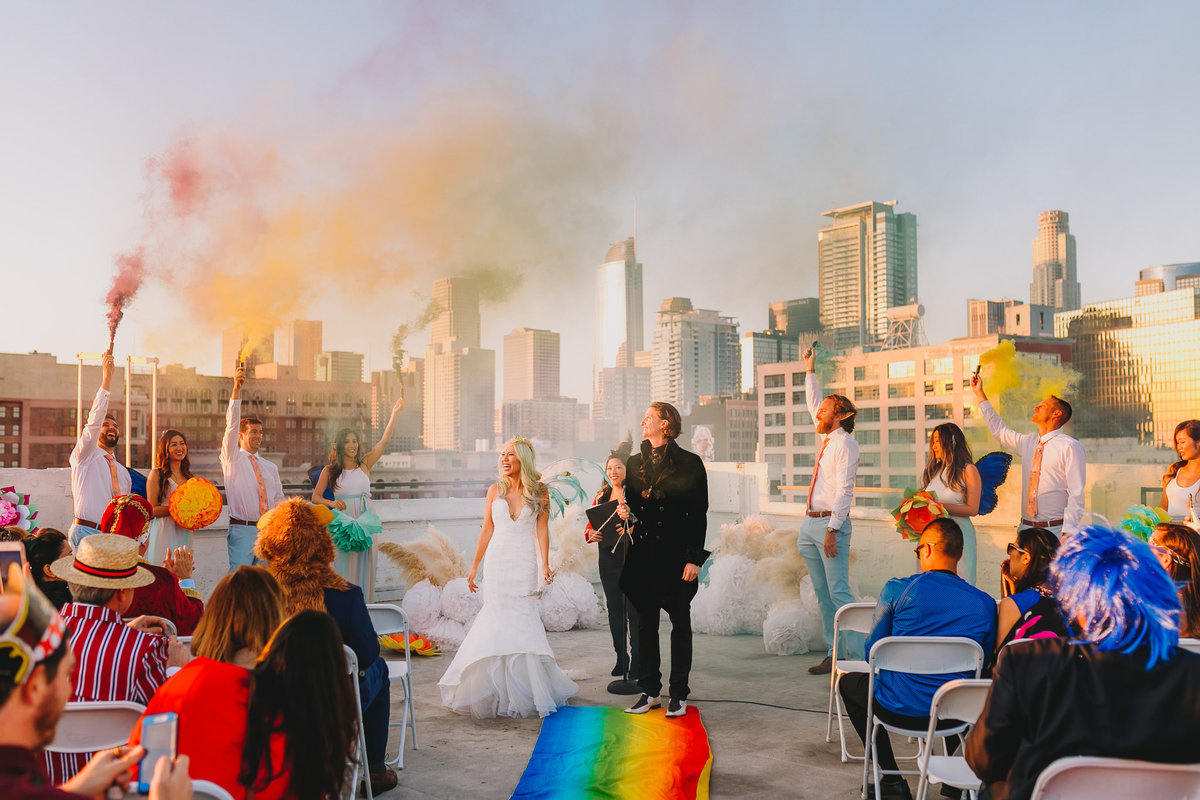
<point>110,439</point>
<point>45,720</point>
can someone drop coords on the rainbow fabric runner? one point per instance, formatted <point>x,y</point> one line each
<point>585,752</point>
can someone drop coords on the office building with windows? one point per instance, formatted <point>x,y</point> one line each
<point>985,317</point>
<point>1055,282</point>
<point>460,376</point>
<point>765,347</point>
<point>696,352</point>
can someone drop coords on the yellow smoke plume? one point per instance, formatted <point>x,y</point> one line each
<point>1016,382</point>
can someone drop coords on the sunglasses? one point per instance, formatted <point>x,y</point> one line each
<point>1169,553</point>
<point>1012,548</point>
<point>917,550</point>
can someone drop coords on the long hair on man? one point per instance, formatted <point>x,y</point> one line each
<point>1112,589</point>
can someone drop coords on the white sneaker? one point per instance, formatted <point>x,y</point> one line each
<point>645,703</point>
<point>676,708</point>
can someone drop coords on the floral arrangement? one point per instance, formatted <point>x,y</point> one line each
<point>916,511</point>
<point>1140,520</point>
<point>16,510</point>
<point>195,504</point>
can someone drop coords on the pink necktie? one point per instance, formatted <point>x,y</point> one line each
<point>262,488</point>
<point>112,473</point>
<point>1035,472</point>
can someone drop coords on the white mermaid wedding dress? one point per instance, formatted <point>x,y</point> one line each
<point>505,666</point>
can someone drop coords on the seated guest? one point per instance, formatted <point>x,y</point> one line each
<point>294,542</point>
<point>1178,550</point>
<point>934,602</point>
<point>303,659</point>
<point>1122,688</point>
<point>172,595</point>
<point>41,551</point>
<point>11,533</point>
<point>211,693</point>
<point>36,664</point>
<point>115,661</point>
<point>1029,611</point>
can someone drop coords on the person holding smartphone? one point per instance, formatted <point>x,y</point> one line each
<point>36,664</point>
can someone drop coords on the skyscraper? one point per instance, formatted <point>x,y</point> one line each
<point>619,325</point>
<point>460,377</point>
<point>1055,283</point>
<point>531,365</point>
<point>696,352</point>
<point>794,317</point>
<point>868,263</point>
<point>386,387</point>
<point>766,347</point>
<point>304,338</point>
<point>339,365</point>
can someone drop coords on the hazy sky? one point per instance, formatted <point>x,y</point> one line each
<point>329,160</point>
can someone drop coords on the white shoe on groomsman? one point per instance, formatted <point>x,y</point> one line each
<point>645,703</point>
<point>676,708</point>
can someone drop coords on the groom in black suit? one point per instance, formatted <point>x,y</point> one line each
<point>666,504</point>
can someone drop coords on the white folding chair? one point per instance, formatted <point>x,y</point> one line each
<point>856,617</point>
<point>87,727</point>
<point>1088,777</point>
<point>207,790</point>
<point>1191,645</point>
<point>963,700</point>
<point>358,767</point>
<point>391,619</point>
<point>918,655</point>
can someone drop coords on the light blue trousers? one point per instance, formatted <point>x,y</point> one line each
<point>830,576</point>
<point>240,543</point>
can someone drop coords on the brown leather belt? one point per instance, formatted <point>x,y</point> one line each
<point>1049,523</point>
<point>819,513</point>
<point>236,521</point>
<point>87,523</point>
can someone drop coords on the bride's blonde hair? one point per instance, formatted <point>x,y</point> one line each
<point>532,489</point>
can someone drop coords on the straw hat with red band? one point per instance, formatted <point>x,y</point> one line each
<point>128,515</point>
<point>105,562</point>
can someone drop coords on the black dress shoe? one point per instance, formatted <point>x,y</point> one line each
<point>894,789</point>
<point>622,666</point>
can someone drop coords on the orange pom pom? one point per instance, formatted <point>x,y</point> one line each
<point>195,504</point>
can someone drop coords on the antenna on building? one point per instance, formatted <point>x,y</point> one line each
<point>905,328</point>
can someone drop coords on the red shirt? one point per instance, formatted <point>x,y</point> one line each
<point>115,662</point>
<point>164,598</point>
<point>23,777</point>
<point>211,699</point>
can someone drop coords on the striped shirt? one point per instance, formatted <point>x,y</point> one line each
<point>115,662</point>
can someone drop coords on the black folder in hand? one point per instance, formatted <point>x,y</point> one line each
<point>604,519</point>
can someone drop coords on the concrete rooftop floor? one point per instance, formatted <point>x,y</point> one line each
<point>758,752</point>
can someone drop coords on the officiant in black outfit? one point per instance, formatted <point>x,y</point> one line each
<point>666,502</point>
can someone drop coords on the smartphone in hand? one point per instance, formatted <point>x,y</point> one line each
<point>160,737</point>
<point>10,553</point>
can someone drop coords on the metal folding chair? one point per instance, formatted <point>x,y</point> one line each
<point>962,700</point>
<point>854,617</point>
<point>391,619</point>
<point>358,767</point>
<point>1088,777</point>
<point>90,726</point>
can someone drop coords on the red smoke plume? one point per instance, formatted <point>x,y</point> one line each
<point>131,269</point>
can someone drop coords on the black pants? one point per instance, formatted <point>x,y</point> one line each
<point>622,616</point>
<point>853,689</point>
<point>678,606</point>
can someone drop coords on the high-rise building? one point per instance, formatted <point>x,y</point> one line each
<point>868,263</point>
<point>261,350</point>
<point>794,317</point>
<point>552,420</point>
<point>1166,278</point>
<point>339,365</point>
<point>1055,282</point>
<point>460,377</point>
<point>619,315</point>
<point>1137,359</point>
<point>1008,317</point>
<point>722,429</point>
<point>304,340</point>
<point>696,352</point>
<point>766,347</point>
<point>386,388</point>
<point>531,365</point>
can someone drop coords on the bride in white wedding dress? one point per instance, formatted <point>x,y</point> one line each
<point>505,666</point>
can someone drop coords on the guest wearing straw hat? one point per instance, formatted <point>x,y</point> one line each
<point>173,593</point>
<point>115,661</point>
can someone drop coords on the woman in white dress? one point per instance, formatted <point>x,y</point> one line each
<point>348,478</point>
<point>1182,481</point>
<point>171,469</point>
<point>951,474</point>
<point>505,666</point>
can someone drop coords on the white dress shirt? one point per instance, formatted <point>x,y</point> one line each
<point>1064,467</point>
<point>91,481</point>
<point>837,466</point>
<point>241,488</point>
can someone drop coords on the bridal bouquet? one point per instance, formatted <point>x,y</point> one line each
<point>916,511</point>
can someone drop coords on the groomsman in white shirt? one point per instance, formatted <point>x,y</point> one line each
<point>96,477</point>
<point>252,484</point>
<point>824,539</point>
<point>1053,466</point>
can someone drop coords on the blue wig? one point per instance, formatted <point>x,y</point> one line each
<point>1110,585</point>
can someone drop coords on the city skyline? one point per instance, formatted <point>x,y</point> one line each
<point>733,157</point>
